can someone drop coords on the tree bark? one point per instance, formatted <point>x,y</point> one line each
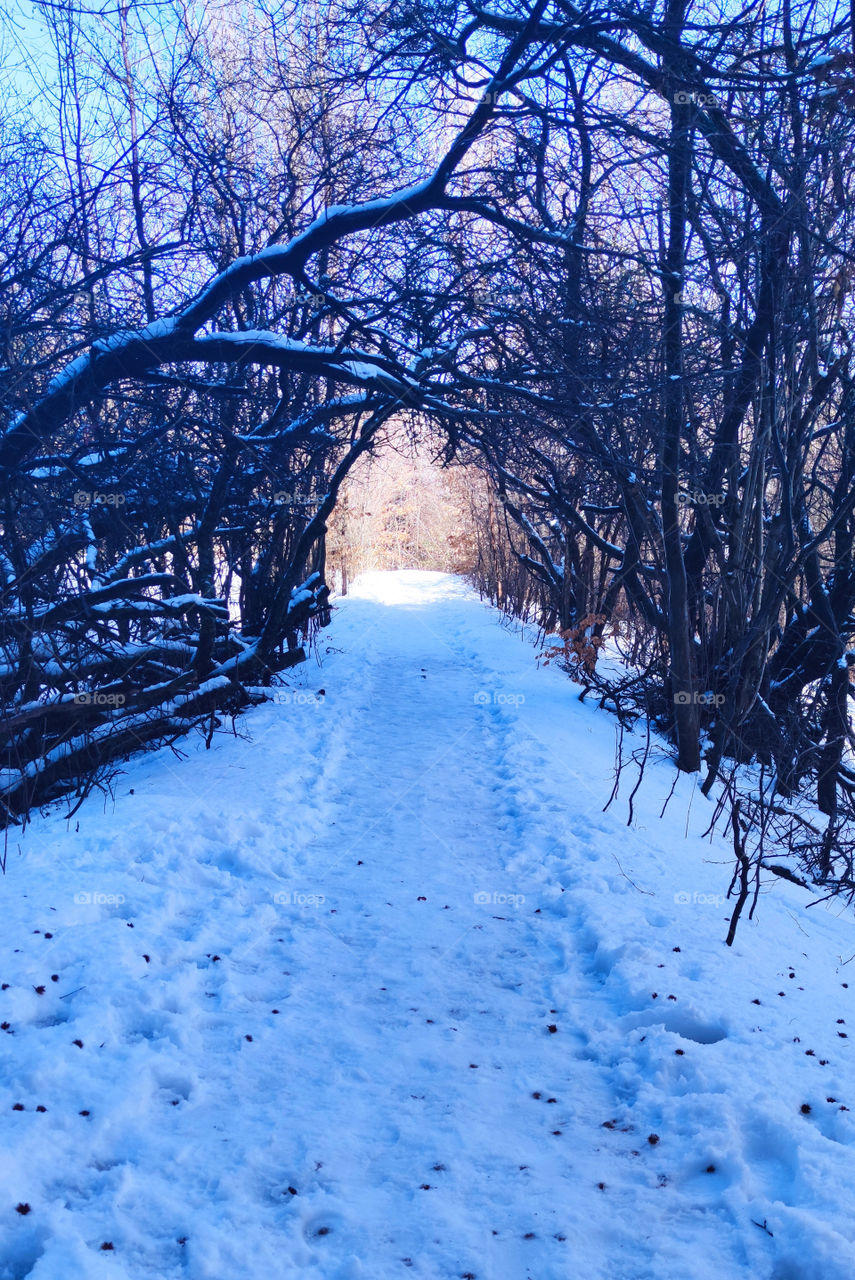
<point>679,632</point>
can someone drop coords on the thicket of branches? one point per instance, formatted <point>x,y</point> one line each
<point>605,249</point>
<point>400,510</point>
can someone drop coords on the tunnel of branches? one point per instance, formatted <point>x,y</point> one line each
<point>596,258</point>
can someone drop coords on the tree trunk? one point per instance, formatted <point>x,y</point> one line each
<point>679,633</point>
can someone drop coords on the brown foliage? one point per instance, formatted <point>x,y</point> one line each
<point>578,646</point>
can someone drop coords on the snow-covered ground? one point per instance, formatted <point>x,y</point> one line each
<point>382,991</point>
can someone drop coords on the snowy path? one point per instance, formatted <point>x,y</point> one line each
<point>380,1000</point>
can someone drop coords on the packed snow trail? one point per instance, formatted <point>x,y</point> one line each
<point>382,991</point>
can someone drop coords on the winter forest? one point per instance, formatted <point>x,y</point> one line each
<point>427,485</point>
